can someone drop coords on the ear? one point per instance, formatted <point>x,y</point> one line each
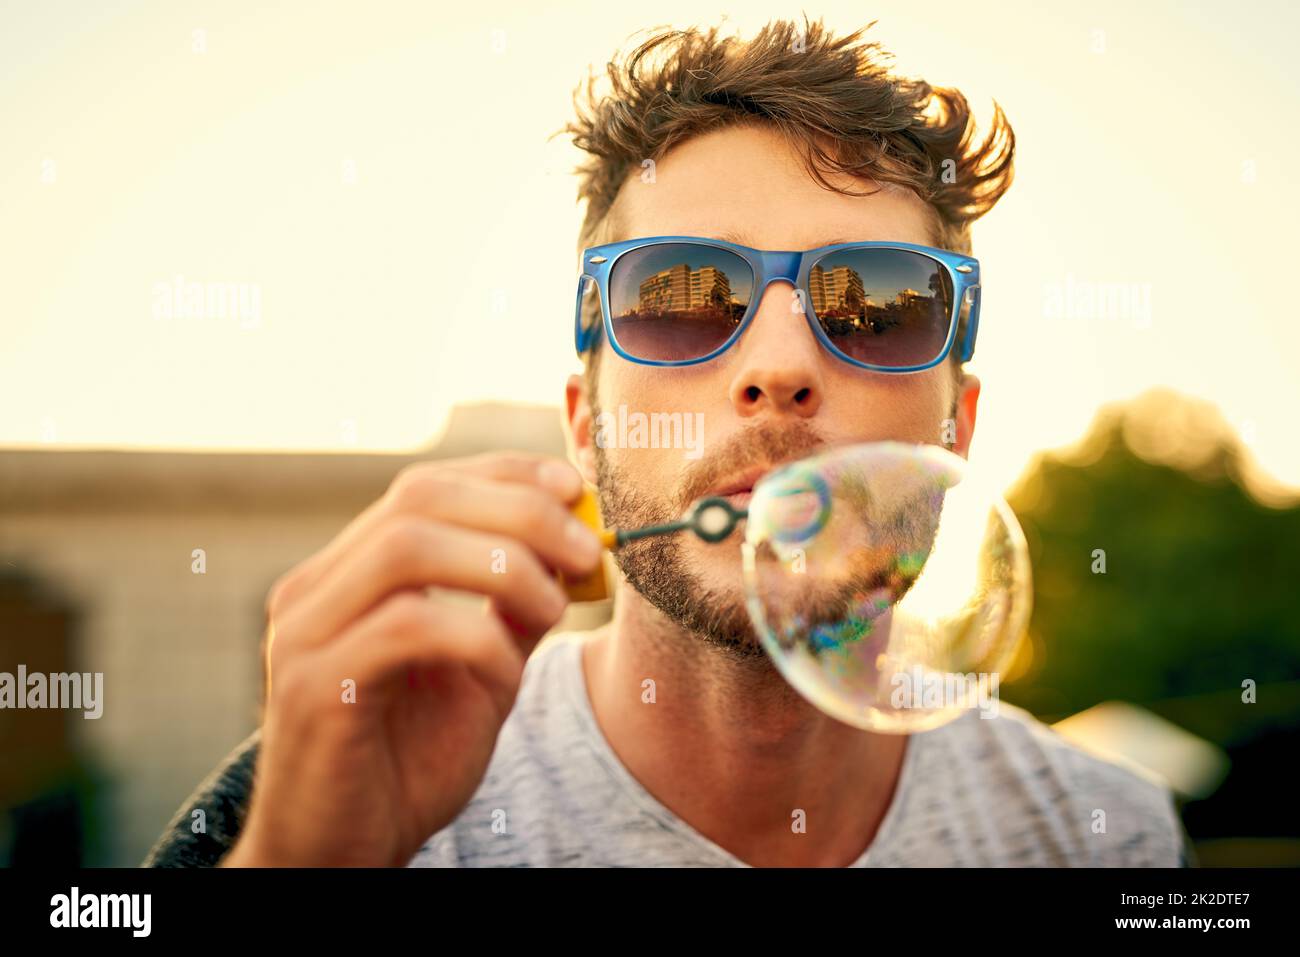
<point>578,427</point>
<point>968,397</point>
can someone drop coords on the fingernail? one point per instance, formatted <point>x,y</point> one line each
<point>583,541</point>
<point>561,478</point>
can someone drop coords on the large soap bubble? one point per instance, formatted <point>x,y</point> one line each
<point>888,584</point>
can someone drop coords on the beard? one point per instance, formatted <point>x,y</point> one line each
<point>658,566</point>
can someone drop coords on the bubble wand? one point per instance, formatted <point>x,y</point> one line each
<point>712,519</point>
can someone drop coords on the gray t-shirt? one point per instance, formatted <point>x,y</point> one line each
<point>1000,791</point>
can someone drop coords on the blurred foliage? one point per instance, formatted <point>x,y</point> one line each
<point>1199,590</point>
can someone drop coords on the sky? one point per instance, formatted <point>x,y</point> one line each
<point>376,192</point>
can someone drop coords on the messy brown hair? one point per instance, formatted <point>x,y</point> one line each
<point>833,98</point>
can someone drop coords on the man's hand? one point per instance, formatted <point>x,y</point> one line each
<point>366,783</point>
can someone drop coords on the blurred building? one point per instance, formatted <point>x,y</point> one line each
<point>100,572</point>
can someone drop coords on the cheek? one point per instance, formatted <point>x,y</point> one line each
<point>904,408</point>
<point>651,424</point>
<point>627,389</point>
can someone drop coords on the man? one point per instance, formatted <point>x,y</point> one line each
<point>406,726</point>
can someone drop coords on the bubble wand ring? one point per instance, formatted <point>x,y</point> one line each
<point>712,519</point>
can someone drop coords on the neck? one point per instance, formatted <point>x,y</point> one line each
<point>728,746</point>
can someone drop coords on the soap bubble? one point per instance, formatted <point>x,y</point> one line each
<point>888,584</point>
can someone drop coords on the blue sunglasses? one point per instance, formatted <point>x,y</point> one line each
<point>682,300</point>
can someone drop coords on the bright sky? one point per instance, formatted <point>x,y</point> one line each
<point>378,179</point>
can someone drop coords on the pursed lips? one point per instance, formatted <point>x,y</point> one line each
<point>739,488</point>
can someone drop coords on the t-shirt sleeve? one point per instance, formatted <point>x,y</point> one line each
<point>222,798</point>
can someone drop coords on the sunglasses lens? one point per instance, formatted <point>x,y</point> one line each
<point>886,307</point>
<point>677,301</point>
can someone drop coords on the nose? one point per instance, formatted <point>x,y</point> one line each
<point>779,362</point>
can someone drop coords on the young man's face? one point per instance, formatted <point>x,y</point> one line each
<point>775,395</point>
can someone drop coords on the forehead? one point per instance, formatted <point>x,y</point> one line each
<point>746,184</point>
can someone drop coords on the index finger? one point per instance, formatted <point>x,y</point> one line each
<point>549,472</point>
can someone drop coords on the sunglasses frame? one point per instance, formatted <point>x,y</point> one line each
<point>769,266</point>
